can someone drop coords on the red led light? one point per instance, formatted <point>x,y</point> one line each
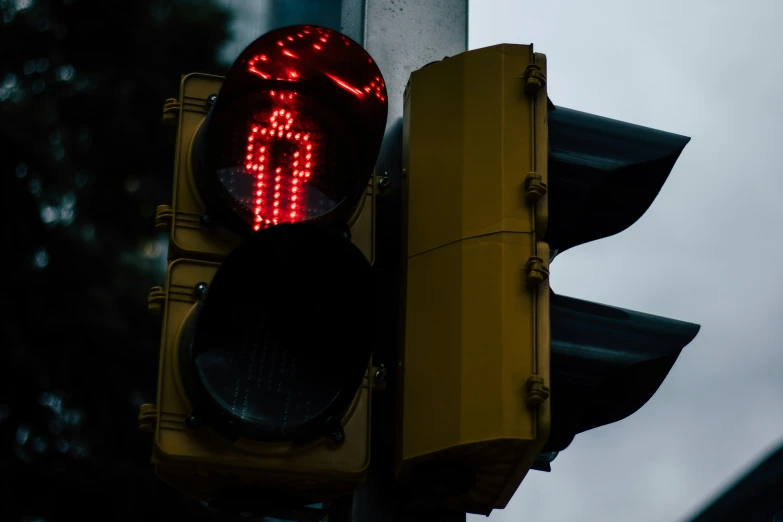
<point>251,66</point>
<point>297,133</point>
<point>285,190</point>
<point>347,86</point>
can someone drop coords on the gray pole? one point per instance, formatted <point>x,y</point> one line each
<point>402,36</point>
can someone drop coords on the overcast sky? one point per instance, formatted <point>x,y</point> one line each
<point>709,250</point>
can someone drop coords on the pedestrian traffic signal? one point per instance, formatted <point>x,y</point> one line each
<point>498,182</point>
<point>265,364</point>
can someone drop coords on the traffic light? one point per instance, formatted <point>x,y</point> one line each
<point>265,373</point>
<point>497,373</point>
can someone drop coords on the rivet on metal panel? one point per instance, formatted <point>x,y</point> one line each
<point>171,111</point>
<point>156,300</point>
<point>163,216</point>
<point>534,79</point>
<point>537,391</point>
<point>148,417</point>
<point>535,188</point>
<point>201,290</point>
<point>536,271</point>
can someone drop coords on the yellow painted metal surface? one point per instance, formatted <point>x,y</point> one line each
<point>188,238</point>
<point>199,462</point>
<point>474,331</point>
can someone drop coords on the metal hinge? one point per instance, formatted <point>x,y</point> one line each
<point>156,300</point>
<point>163,217</point>
<point>534,79</point>
<point>171,111</point>
<point>148,418</point>
<point>535,188</point>
<point>537,391</point>
<point>536,271</point>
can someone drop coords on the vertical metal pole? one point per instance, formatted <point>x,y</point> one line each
<point>402,36</point>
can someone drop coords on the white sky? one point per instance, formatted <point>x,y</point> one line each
<point>709,250</point>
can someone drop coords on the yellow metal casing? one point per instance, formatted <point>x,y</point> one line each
<point>188,237</point>
<point>200,463</point>
<point>475,364</point>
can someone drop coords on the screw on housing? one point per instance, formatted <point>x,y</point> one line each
<point>201,290</point>
<point>338,437</point>
<point>192,421</point>
<point>206,220</point>
<point>211,99</point>
<point>335,432</point>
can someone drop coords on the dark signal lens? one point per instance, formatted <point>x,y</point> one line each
<point>275,356</point>
<point>296,128</point>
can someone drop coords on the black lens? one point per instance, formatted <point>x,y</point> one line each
<point>283,341</point>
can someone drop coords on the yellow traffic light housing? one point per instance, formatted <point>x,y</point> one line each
<point>475,364</point>
<point>264,387</point>
<point>193,231</point>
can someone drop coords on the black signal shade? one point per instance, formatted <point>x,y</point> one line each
<point>603,174</point>
<point>284,337</point>
<point>607,362</point>
<point>295,129</point>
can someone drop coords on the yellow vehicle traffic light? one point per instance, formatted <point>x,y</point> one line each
<point>497,374</point>
<point>265,366</point>
<point>475,364</point>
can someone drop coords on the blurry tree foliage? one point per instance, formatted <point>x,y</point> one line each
<point>84,160</point>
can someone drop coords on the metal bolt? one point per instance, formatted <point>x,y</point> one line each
<point>384,182</point>
<point>338,436</point>
<point>192,421</point>
<point>201,290</point>
<point>206,220</point>
<point>211,99</point>
<point>380,375</point>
